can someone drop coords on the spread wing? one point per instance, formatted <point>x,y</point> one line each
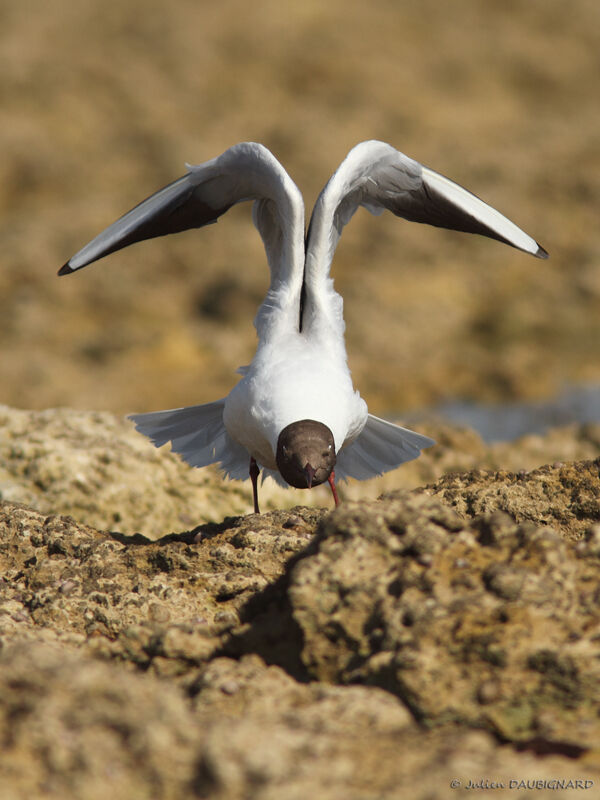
<point>380,447</point>
<point>198,434</point>
<point>378,177</point>
<point>247,171</point>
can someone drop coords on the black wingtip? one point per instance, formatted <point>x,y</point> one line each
<point>65,270</point>
<point>541,253</point>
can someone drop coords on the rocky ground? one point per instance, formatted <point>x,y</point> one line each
<point>448,632</point>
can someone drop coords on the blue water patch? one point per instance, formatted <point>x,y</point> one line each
<point>507,421</point>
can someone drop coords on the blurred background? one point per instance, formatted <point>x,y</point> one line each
<point>102,103</point>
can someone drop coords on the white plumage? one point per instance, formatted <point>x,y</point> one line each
<point>300,368</point>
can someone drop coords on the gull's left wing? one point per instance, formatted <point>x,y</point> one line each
<point>379,177</point>
<point>380,447</point>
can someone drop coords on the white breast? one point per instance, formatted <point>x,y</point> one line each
<point>289,381</point>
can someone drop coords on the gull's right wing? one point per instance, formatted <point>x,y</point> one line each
<point>198,434</point>
<point>247,171</point>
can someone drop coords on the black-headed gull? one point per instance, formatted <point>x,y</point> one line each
<point>295,412</point>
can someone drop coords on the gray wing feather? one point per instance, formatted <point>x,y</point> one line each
<point>380,447</point>
<point>198,435</point>
<point>247,171</point>
<point>163,426</point>
<point>378,177</point>
<point>178,207</point>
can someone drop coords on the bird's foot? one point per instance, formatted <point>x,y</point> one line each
<point>331,481</point>
<point>254,473</point>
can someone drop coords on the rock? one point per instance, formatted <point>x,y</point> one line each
<point>498,625</point>
<point>73,726</point>
<point>564,496</point>
<point>152,603</point>
<point>381,650</point>
<point>96,468</point>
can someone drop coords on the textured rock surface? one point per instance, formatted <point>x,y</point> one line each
<point>382,650</point>
<point>95,467</point>
<point>565,496</point>
<point>77,727</point>
<point>153,603</point>
<point>486,623</point>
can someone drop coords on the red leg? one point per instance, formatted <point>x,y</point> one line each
<point>331,481</point>
<point>254,473</point>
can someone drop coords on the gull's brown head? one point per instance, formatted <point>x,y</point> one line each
<point>305,453</point>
